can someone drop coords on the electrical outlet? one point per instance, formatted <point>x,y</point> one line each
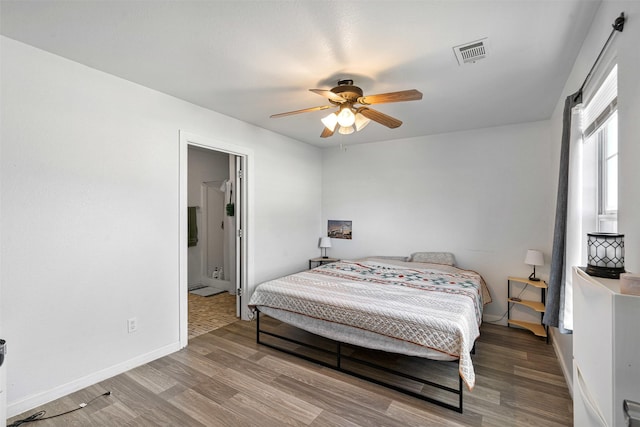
<point>132,324</point>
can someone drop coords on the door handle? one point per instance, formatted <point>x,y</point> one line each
<point>631,413</point>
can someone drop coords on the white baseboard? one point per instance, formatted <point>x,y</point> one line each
<point>31,402</point>
<point>217,283</point>
<point>567,368</point>
<point>493,318</point>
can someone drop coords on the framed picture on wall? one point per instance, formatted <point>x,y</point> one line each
<point>339,229</point>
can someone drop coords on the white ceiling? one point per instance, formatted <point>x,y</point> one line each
<point>251,59</point>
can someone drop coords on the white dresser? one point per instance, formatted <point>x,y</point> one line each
<point>606,350</point>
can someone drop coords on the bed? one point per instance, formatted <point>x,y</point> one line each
<point>409,307</point>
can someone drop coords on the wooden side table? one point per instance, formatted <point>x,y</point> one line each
<point>317,262</point>
<point>537,328</point>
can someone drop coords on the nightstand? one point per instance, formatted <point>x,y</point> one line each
<point>537,328</point>
<point>317,262</point>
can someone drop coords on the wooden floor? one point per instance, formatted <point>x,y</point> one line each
<point>223,378</point>
<point>209,313</point>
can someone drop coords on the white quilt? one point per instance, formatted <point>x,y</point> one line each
<point>439,308</point>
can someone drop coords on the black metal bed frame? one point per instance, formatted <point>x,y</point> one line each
<point>337,365</point>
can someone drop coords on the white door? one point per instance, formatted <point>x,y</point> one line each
<point>239,261</point>
<point>3,375</point>
<point>3,380</point>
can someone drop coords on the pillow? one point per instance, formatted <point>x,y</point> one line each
<point>395,258</point>
<point>446,258</point>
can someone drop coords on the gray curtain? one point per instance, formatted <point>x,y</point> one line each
<point>554,305</point>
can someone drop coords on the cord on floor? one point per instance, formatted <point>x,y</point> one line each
<point>505,313</point>
<point>40,415</point>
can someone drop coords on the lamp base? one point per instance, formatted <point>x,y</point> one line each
<point>606,272</point>
<point>533,278</point>
<point>325,256</point>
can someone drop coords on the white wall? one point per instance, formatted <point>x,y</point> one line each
<point>625,49</point>
<point>89,215</point>
<point>483,195</point>
<point>629,129</point>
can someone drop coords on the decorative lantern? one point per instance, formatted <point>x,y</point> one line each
<point>605,255</point>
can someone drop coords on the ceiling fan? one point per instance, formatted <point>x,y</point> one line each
<point>345,96</point>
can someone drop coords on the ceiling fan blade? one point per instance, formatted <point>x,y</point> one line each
<point>328,94</point>
<point>379,117</point>
<point>306,110</point>
<point>326,133</point>
<point>403,95</point>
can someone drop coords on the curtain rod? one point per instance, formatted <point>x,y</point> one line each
<point>618,25</point>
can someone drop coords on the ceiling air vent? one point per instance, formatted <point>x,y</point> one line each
<point>469,53</point>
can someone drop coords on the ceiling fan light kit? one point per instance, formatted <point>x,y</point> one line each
<point>330,121</point>
<point>345,96</point>
<point>346,117</point>
<point>361,122</point>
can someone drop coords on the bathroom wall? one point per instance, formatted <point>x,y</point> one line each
<point>205,166</point>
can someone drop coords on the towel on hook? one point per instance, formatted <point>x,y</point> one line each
<point>193,227</point>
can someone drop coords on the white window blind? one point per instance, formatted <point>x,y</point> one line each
<point>602,105</point>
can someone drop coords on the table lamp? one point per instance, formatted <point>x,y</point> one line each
<point>325,242</point>
<point>534,258</point>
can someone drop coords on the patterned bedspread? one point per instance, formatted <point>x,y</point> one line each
<point>438,308</point>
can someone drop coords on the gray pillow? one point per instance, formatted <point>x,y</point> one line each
<point>446,258</point>
<point>395,258</point>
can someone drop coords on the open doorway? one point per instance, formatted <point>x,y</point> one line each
<point>211,221</point>
<point>211,244</point>
<point>214,224</point>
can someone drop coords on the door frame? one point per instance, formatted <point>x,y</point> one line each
<point>246,257</point>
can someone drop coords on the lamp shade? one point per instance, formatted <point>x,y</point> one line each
<point>325,242</point>
<point>346,117</point>
<point>345,130</point>
<point>605,255</point>
<point>330,121</point>
<point>361,122</point>
<point>534,257</point>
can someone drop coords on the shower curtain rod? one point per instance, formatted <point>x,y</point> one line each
<point>618,25</point>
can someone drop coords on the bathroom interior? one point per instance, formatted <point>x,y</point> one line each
<point>211,246</point>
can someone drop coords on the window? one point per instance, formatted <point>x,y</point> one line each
<point>593,175</point>
<point>600,168</point>
<point>607,140</point>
